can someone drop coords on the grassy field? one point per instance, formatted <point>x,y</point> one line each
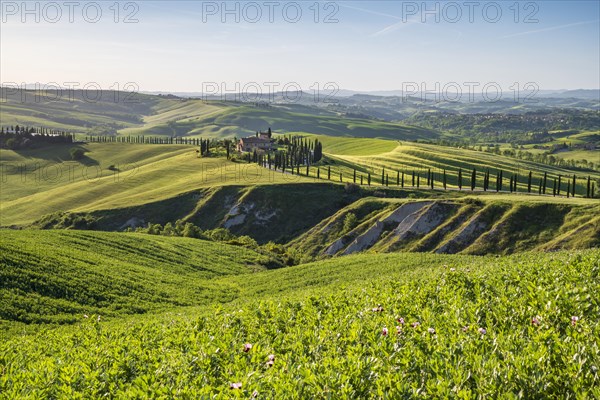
<point>364,326</point>
<point>53,277</point>
<point>408,157</point>
<point>40,182</point>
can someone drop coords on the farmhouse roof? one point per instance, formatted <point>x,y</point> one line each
<point>253,139</point>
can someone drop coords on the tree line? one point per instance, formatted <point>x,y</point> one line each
<point>17,137</point>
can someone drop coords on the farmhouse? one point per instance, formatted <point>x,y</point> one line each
<point>262,141</point>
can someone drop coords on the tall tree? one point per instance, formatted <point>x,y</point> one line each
<point>544,183</point>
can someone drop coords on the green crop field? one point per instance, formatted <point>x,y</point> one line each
<point>49,276</point>
<point>405,325</point>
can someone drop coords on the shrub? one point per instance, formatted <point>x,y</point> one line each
<point>350,221</point>
<point>12,143</point>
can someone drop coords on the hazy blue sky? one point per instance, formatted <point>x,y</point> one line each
<point>375,45</point>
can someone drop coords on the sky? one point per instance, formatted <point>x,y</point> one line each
<point>198,46</point>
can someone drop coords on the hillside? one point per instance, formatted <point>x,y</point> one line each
<point>402,323</point>
<point>53,277</point>
<point>470,225</point>
<point>140,114</point>
<point>120,185</point>
<point>408,157</point>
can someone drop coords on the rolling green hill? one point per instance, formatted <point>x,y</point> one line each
<point>402,322</point>
<point>419,157</point>
<point>119,185</point>
<point>44,181</point>
<point>53,277</point>
<point>141,114</point>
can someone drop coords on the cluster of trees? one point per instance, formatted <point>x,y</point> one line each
<point>223,235</point>
<point>16,137</point>
<point>188,229</point>
<point>297,152</point>
<point>205,148</point>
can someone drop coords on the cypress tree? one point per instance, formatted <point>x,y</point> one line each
<point>510,185</point>
<point>328,172</point>
<point>369,179</point>
<point>387,180</point>
<point>402,181</point>
<point>354,176</point>
<point>497,181</point>
<point>431,179</point>
<point>558,186</point>
<point>588,187</point>
<point>418,181</point>
<point>460,179</point>
<point>413,178</point>
<point>544,184</point>
<point>568,189</point>
<point>383,177</point>
<point>318,173</point>
<point>554,188</point>
<point>500,180</point>
<point>540,187</point>
<point>397,178</point>
<point>573,186</point>
<point>473,179</point>
<point>340,176</point>
<point>361,180</point>
<point>529,183</point>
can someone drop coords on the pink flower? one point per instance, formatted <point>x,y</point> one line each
<point>415,324</point>
<point>483,331</point>
<point>398,330</point>
<point>247,347</point>
<point>379,308</point>
<point>574,320</point>
<point>535,321</point>
<point>465,328</point>
<point>431,330</point>
<point>384,331</point>
<point>271,360</point>
<point>235,386</point>
<point>401,321</point>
